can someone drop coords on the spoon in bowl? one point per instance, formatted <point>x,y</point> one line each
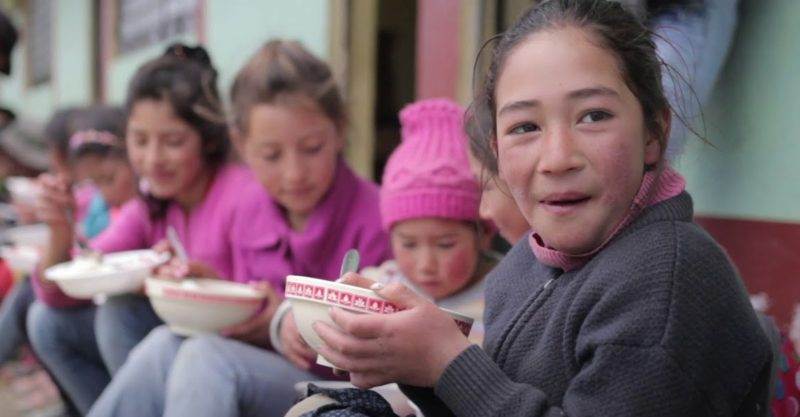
<point>349,263</point>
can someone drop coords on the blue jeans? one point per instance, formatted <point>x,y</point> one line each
<point>64,340</point>
<point>13,312</point>
<point>217,377</point>
<point>121,323</point>
<point>139,387</point>
<point>694,46</point>
<point>201,376</point>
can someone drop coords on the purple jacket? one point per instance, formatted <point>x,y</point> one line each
<point>265,248</point>
<point>204,231</point>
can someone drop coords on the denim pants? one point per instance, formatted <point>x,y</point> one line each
<point>214,376</point>
<point>65,342</point>
<point>13,312</point>
<point>201,376</point>
<point>694,46</point>
<point>120,324</point>
<point>139,387</point>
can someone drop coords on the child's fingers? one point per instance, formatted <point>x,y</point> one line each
<point>301,352</point>
<point>169,271</point>
<point>55,201</point>
<point>364,326</point>
<point>181,271</point>
<point>162,246</point>
<point>295,341</point>
<point>335,358</point>
<point>302,348</point>
<point>298,360</point>
<point>352,278</point>
<point>368,365</point>
<point>398,294</point>
<point>343,343</point>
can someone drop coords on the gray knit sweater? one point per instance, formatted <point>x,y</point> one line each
<point>656,324</point>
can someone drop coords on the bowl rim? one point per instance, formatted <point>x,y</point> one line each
<point>298,287</point>
<point>332,293</point>
<point>175,290</point>
<point>53,273</point>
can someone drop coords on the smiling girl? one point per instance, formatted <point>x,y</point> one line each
<point>177,142</point>
<point>617,303</point>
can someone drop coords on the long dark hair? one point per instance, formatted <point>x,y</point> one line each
<point>185,78</point>
<point>617,29</point>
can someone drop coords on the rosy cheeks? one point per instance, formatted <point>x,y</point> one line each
<point>458,266</point>
<point>455,271</point>
<point>620,174</point>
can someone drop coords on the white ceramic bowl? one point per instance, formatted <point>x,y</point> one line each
<point>118,273</point>
<point>21,258</point>
<point>197,306</point>
<point>23,190</point>
<point>30,235</point>
<point>312,297</point>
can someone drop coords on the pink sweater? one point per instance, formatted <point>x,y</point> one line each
<point>203,231</point>
<point>265,248</point>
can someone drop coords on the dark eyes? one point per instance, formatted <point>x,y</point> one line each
<point>595,116</point>
<point>312,150</point>
<point>523,128</point>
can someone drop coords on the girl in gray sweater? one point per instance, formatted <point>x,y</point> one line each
<point>617,304</point>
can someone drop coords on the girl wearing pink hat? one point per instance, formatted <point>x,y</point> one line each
<point>430,205</point>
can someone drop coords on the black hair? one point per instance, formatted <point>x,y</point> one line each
<point>617,30</point>
<point>185,78</point>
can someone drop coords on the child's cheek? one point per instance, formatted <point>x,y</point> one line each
<point>406,262</point>
<point>460,266</point>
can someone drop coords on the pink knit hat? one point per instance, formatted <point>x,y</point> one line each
<point>428,175</point>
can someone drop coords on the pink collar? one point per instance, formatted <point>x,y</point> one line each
<point>656,187</point>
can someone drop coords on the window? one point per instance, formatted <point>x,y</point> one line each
<point>39,41</point>
<point>141,23</point>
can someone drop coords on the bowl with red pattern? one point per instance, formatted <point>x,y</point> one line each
<point>311,299</point>
<point>198,306</point>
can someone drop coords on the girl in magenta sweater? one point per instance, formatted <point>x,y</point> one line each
<point>177,143</point>
<point>305,211</point>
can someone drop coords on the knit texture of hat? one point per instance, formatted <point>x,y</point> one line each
<point>429,175</point>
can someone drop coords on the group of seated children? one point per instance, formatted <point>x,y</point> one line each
<point>611,301</point>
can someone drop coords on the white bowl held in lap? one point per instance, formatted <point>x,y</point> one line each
<point>197,306</point>
<point>117,273</point>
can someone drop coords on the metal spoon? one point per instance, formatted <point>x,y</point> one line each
<point>177,246</point>
<point>349,263</point>
<point>86,251</point>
